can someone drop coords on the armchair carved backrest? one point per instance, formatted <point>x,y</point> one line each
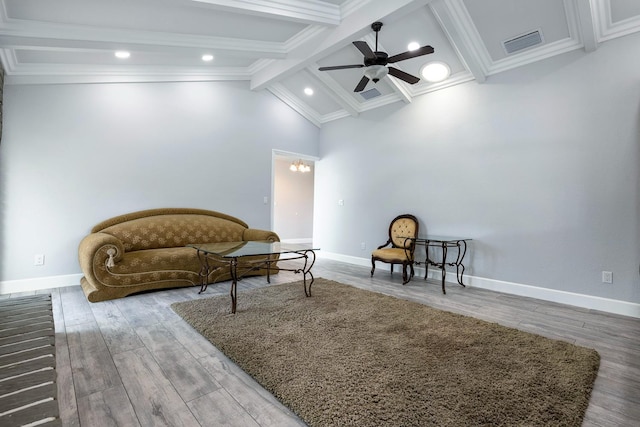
<point>400,247</point>
<point>402,227</point>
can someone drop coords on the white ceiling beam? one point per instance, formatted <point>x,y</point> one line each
<point>461,33</point>
<point>335,90</point>
<point>587,25</point>
<point>328,41</point>
<point>304,11</point>
<point>23,34</point>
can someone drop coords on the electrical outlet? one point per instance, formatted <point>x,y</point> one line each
<point>607,277</point>
<point>38,259</point>
<point>340,202</point>
<point>363,246</point>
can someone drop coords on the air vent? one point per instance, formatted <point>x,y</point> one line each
<point>522,42</point>
<point>371,93</point>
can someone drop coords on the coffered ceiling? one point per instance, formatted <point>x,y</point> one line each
<point>278,45</point>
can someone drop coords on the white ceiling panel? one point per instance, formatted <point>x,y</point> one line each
<point>622,10</point>
<point>279,45</point>
<point>137,59</point>
<point>515,18</point>
<point>320,101</point>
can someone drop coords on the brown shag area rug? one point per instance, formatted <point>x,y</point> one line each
<point>350,357</point>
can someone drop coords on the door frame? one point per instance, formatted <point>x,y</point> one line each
<point>292,156</point>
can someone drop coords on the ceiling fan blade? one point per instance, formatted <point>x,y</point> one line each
<point>362,84</point>
<point>424,50</point>
<point>340,67</point>
<point>403,76</point>
<point>365,49</point>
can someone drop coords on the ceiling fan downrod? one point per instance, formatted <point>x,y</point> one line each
<point>376,26</point>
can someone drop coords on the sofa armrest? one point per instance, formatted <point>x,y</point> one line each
<point>251,234</point>
<point>98,250</point>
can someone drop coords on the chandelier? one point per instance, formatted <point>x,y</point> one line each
<point>299,166</point>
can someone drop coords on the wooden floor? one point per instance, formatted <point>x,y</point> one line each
<point>134,362</point>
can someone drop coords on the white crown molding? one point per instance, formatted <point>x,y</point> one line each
<point>380,101</point>
<point>294,102</point>
<point>456,79</point>
<point>305,11</point>
<point>340,114</point>
<point>606,29</point>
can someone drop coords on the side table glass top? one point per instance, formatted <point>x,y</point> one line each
<point>443,238</point>
<point>250,248</point>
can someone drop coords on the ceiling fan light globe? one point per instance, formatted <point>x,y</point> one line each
<point>376,72</point>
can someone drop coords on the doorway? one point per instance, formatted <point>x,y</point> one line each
<point>293,193</point>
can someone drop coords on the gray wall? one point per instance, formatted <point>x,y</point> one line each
<point>539,165</point>
<point>73,155</point>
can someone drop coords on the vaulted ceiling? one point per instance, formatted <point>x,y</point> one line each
<point>279,45</point>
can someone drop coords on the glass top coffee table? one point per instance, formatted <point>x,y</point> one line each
<point>242,258</point>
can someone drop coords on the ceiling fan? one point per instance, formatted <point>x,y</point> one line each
<point>376,62</point>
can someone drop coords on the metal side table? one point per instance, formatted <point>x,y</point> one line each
<point>445,244</point>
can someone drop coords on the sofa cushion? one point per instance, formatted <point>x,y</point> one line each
<point>177,230</point>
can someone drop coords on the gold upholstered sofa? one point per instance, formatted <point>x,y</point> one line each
<point>147,250</point>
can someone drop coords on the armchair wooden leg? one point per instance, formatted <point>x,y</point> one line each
<point>404,274</point>
<point>373,266</point>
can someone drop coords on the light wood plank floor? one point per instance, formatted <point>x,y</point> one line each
<point>134,362</point>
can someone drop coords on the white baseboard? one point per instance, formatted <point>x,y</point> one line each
<point>570,298</point>
<point>578,300</point>
<point>25,285</point>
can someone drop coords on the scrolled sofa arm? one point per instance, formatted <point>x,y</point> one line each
<point>252,234</point>
<point>99,250</point>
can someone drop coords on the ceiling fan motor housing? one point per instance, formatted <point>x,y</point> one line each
<point>380,59</point>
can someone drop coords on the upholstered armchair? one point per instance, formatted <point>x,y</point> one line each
<point>400,248</point>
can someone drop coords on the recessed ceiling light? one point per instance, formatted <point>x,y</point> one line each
<point>207,57</point>
<point>413,46</point>
<point>122,54</point>
<point>308,91</point>
<point>435,72</point>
